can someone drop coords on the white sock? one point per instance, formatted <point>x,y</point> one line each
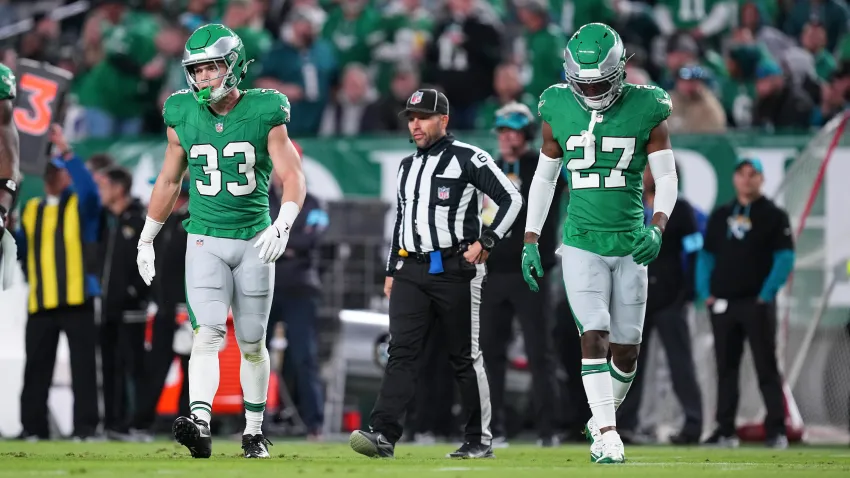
<point>203,370</point>
<point>621,382</point>
<point>600,396</point>
<point>254,376</point>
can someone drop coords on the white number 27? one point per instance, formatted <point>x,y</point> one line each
<point>213,173</point>
<point>609,145</point>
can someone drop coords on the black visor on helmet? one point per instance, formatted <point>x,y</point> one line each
<point>595,89</point>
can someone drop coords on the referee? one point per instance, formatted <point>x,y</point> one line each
<point>436,271</point>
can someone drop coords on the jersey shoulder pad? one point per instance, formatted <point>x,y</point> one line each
<point>7,83</point>
<point>552,99</point>
<point>272,106</point>
<point>176,107</point>
<point>654,102</point>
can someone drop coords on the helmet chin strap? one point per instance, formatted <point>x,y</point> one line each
<point>588,139</point>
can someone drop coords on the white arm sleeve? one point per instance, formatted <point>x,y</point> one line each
<point>663,168</point>
<point>541,192</point>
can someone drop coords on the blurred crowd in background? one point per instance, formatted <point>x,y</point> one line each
<point>347,66</point>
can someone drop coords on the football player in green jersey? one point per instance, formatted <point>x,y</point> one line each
<point>230,140</point>
<point>605,131</point>
<point>9,175</point>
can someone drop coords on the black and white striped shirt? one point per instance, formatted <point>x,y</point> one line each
<point>439,198</point>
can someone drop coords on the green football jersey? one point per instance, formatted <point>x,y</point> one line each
<point>7,83</point>
<point>605,179</point>
<point>229,162</point>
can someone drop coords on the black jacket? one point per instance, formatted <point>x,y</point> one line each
<point>169,285</point>
<point>298,268</point>
<point>465,71</point>
<point>125,295</point>
<point>742,240</point>
<point>507,255</point>
<point>671,274</point>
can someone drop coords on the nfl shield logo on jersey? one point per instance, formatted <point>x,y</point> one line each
<point>416,98</point>
<point>199,242</point>
<point>219,127</point>
<point>443,192</point>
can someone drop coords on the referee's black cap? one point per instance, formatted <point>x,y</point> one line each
<point>427,101</point>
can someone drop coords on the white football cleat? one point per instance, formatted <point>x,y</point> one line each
<point>594,437</point>
<point>613,450</point>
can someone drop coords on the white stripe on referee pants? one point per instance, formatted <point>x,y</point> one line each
<point>475,288</point>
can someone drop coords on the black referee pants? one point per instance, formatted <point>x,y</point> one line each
<point>507,295</point>
<point>757,322</point>
<point>42,340</point>
<point>431,409</point>
<point>418,298</point>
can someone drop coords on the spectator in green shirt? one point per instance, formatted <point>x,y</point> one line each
<point>405,30</point>
<point>302,66</point>
<point>508,88</point>
<point>540,48</point>
<point>746,61</point>
<point>354,28</point>
<point>573,14</point>
<point>700,18</point>
<point>116,94</point>
<point>243,17</point>
<point>813,39</point>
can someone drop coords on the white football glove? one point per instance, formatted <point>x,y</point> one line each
<point>272,242</point>
<point>145,260</point>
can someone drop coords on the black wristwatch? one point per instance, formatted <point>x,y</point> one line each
<point>488,239</point>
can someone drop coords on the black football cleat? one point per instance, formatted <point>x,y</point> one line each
<point>472,450</point>
<point>371,444</point>
<point>256,446</point>
<point>194,434</point>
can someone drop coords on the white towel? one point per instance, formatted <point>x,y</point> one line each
<point>10,273</point>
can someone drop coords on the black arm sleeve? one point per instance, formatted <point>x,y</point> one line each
<point>487,178</point>
<point>688,228</point>
<point>392,256</point>
<point>782,237</point>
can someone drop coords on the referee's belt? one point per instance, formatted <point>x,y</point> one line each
<point>425,257</point>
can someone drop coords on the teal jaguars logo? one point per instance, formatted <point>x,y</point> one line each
<point>382,351</point>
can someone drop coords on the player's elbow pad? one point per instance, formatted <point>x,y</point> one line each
<point>663,168</point>
<point>541,192</point>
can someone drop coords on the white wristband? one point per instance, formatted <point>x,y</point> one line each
<point>150,230</point>
<point>286,218</point>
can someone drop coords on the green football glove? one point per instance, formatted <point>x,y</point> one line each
<point>647,245</point>
<point>531,261</point>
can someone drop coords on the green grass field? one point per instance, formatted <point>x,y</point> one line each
<point>299,459</point>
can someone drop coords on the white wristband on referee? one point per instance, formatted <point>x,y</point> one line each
<point>151,229</point>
